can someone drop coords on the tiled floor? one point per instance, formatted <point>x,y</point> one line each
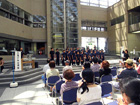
<point>33,94</point>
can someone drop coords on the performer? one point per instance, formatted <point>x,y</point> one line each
<point>102,55</point>
<point>63,57</point>
<point>52,54</point>
<point>86,55</point>
<point>69,57</point>
<point>57,57</point>
<point>82,57</point>
<point>73,57</point>
<point>77,58</point>
<point>91,56</point>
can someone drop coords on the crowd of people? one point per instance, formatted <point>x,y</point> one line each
<point>88,91</point>
<point>76,56</point>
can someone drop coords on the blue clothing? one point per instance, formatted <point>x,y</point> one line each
<point>128,73</point>
<point>74,56</point>
<point>82,56</point>
<point>57,55</point>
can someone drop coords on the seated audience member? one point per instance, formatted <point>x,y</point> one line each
<point>86,65</point>
<point>69,84</point>
<point>138,67</point>
<point>95,67</point>
<point>88,91</point>
<point>45,68</point>
<point>105,70</point>
<point>66,67</point>
<point>129,71</point>
<point>1,64</point>
<point>130,89</point>
<point>52,71</point>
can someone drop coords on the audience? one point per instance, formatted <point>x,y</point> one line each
<point>52,71</point>
<point>130,89</point>
<point>129,71</point>
<point>46,67</point>
<point>69,84</point>
<point>105,70</point>
<point>86,65</point>
<point>66,67</point>
<point>1,64</point>
<point>138,67</point>
<point>95,67</point>
<point>88,91</point>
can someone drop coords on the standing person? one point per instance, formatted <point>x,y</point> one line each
<point>52,54</point>
<point>63,57</point>
<point>22,54</point>
<point>73,57</point>
<point>78,58</point>
<point>102,55</point>
<point>87,55</point>
<point>91,56</point>
<point>69,57</point>
<point>82,57</point>
<point>88,92</point>
<point>57,57</point>
<point>1,64</point>
<point>126,55</point>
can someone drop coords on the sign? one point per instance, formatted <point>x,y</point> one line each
<point>17,60</point>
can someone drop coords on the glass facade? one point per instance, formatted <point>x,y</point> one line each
<point>99,3</point>
<point>8,45</point>
<point>94,25</point>
<point>64,15</point>
<point>39,21</point>
<point>57,23</point>
<point>71,23</point>
<point>15,13</point>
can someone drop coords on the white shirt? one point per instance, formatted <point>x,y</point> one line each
<point>93,95</point>
<point>46,67</point>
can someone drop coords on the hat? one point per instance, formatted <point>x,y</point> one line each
<point>129,61</point>
<point>67,61</point>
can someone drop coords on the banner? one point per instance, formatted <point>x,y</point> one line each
<point>17,60</point>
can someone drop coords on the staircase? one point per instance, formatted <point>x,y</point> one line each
<point>23,77</point>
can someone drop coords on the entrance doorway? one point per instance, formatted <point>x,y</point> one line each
<point>99,42</point>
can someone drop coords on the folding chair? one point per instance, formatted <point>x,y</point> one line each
<point>114,72</point>
<point>106,78</point>
<point>69,96</point>
<point>96,74</point>
<point>95,103</point>
<point>113,103</point>
<point>77,77</point>
<point>106,89</point>
<point>58,86</point>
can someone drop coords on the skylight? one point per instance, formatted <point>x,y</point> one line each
<point>99,3</point>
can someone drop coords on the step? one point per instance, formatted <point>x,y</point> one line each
<point>10,79</point>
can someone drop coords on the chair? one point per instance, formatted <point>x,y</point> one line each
<point>70,96</point>
<point>52,80</point>
<point>77,77</point>
<point>96,74</point>
<point>106,78</point>
<point>58,86</point>
<point>114,72</point>
<point>106,89</point>
<point>95,103</point>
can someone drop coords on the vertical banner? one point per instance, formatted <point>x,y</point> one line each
<point>17,60</point>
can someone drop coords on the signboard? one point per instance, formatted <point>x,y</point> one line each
<point>17,60</point>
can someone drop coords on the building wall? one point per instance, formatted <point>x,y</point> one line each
<point>13,28</point>
<point>118,35</point>
<point>91,13</point>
